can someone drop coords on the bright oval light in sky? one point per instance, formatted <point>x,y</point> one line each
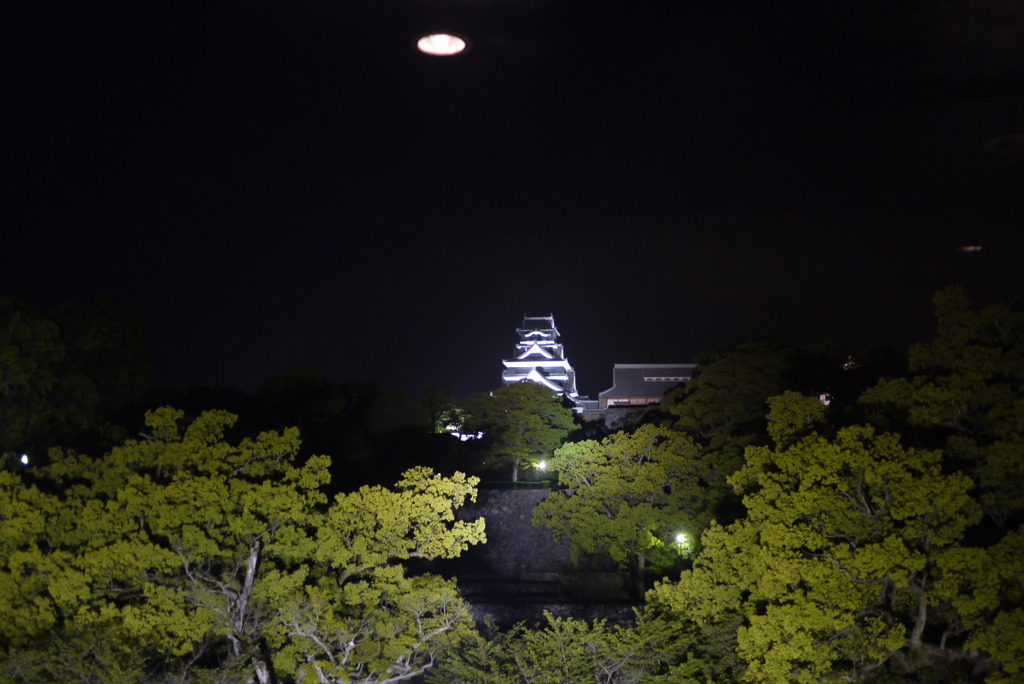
<point>441,44</point>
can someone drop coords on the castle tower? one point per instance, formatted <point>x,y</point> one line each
<point>539,357</point>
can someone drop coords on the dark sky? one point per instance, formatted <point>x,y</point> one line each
<point>290,182</point>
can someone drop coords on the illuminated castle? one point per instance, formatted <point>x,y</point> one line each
<point>540,358</point>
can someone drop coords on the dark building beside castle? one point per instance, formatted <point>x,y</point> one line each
<point>643,384</point>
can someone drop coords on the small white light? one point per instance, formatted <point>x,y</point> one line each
<point>24,459</point>
<point>441,44</point>
<point>542,465</point>
<point>680,538</point>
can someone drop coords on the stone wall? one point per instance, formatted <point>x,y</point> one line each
<point>626,417</point>
<point>522,571</point>
<point>514,546</point>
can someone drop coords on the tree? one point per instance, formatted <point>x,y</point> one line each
<point>439,406</point>
<point>966,394</point>
<point>984,588</point>
<point>62,372</point>
<point>194,557</point>
<point>724,407</point>
<point>628,496</point>
<point>300,396</point>
<point>523,423</point>
<point>365,619</point>
<point>373,432</point>
<point>569,651</point>
<point>833,572</point>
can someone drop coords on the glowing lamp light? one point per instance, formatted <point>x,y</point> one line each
<point>542,465</point>
<point>680,538</point>
<point>441,44</point>
<point>24,459</point>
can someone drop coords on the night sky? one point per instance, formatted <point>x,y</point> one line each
<point>291,182</point>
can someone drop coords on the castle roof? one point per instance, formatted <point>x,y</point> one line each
<point>540,358</point>
<point>544,324</point>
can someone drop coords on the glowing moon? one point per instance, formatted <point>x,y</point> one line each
<point>441,44</point>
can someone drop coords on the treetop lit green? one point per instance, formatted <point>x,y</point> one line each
<point>192,555</point>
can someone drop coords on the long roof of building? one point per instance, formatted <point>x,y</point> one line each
<point>647,379</point>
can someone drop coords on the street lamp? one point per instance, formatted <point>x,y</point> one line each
<point>682,544</point>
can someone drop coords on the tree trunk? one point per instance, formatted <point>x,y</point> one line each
<point>242,604</point>
<point>920,619</point>
<point>638,576</point>
<point>262,671</point>
<point>260,667</point>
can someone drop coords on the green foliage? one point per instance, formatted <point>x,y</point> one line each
<point>99,654</point>
<point>199,557</point>
<point>726,398</point>
<point>985,587</point>
<point>441,410</point>
<point>628,497</point>
<point>966,392</point>
<point>61,372</point>
<point>865,559</point>
<point>863,555</point>
<point>725,406</point>
<point>832,570</point>
<point>792,416</point>
<point>568,651</point>
<point>523,422</point>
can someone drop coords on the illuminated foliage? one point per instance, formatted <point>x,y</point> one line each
<point>966,394</point>
<point>985,587</point>
<point>568,651</point>
<point>442,411</point>
<point>724,405</point>
<point>725,408</point>
<point>966,391</point>
<point>522,422</point>
<point>194,556</point>
<point>627,496</point>
<point>364,619</point>
<point>862,557</point>
<point>833,570</point>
